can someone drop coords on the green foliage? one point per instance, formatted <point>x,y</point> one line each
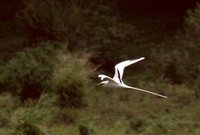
<point>71,77</point>
<point>66,115</point>
<point>27,129</point>
<point>176,65</point>
<point>83,24</point>
<point>58,20</point>
<point>28,71</point>
<point>178,60</point>
<point>25,120</point>
<point>104,30</point>
<point>7,104</point>
<point>44,20</point>
<point>188,49</point>
<point>193,21</point>
<point>138,125</point>
<point>30,118</point>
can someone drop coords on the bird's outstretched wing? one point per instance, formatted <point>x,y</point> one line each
<point>146,91</point>
<point>119,69</point>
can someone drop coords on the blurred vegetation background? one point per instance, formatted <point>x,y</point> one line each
<point>51,52</point>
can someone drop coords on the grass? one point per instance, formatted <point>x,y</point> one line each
<point>114,112</point>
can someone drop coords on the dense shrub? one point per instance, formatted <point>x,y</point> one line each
<point>172,65</point>
<point>71,77</point>
<point>191,44</point>
<point>30,118</point>
<point>83,24</point>
<point>27,129</point>
<point>193,21</point>
<point>28,71</point>
<point>44,20</point>
<point>56,20</point>
<point>7,104</point>
<point>179,63</point>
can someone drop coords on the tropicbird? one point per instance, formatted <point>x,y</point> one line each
<point>116,81</point>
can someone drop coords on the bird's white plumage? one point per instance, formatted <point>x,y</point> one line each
<point>119,69</point>
<point>117,79</point>
<point>138,89</point>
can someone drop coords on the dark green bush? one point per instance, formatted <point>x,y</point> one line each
<point>191,44</point>
<point>71,78</point>
<point>27,129</point>
<point>192,21</point>
<point>55,20</point>
<point>83,24</point>
<point>172,65</point>
<point>28,72</point>
<point>138,125</point>
<point>25,121</point>
<point>31,118</point>
<point>44,20</point>
<point>7,104</point>
<point>178,59</point>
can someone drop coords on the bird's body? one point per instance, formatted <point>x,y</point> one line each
<point>117,81</point>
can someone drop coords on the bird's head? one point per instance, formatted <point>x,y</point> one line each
<point>104,79</point>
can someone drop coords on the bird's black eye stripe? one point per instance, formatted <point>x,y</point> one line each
<point>119,76</point>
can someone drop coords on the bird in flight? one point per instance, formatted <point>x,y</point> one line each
<point>117,81</point>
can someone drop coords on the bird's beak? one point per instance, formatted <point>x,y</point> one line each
<point>99,84</point>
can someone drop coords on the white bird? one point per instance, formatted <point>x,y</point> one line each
<point>116,81</point>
